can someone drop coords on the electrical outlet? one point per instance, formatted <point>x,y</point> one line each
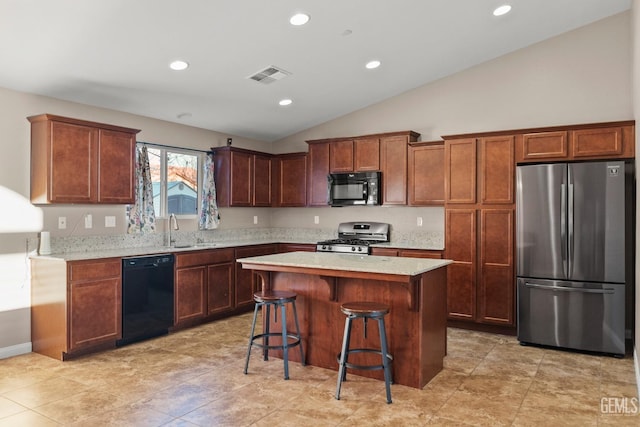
<point>316,219</point>
<point>255,219</point>
<point>419,221</point>
<point>109,221</point>
<point>62,222</point>
<point>88,221</point>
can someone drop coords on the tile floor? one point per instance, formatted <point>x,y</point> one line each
<point>194,378</point>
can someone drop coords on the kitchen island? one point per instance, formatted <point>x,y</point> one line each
<point>414,289</point>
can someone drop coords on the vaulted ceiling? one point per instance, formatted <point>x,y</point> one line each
<point>116,53</point>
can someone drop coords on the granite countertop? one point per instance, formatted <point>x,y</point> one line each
<point>156,250</point>
<point>347,262</point>
<point>151,250</point>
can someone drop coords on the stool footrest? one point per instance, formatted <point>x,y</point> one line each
<point>364,367</point>
<point>295,342</point>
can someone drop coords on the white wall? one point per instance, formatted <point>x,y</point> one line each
<point>579,77</point>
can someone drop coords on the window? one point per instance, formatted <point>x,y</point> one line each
<point>174,174</point>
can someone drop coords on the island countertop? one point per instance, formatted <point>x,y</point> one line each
<point>339,265</point>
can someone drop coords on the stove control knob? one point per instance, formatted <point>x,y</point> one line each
<point>359,248</point>
<point>353,248</point>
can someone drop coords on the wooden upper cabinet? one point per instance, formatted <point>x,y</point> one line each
<point>354,155</point>
<point>394,165</point>
<point>116,167</point>
<point>460,171</point>
<point>426,173</point>
<point>497,170</point>
<point>341,156</point>
<point>366,154</point>
<point>597,143</point>
<point>243,177</point>
<point>545,146</point>
<point>614,140</point>
<point>262,187</point>
<point>318,163</point>
<point>76,161</point>
<point>292,180</point>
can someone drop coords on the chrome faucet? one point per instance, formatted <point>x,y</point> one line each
<point>172,224</point>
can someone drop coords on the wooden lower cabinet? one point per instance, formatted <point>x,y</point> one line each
<point>247,282</point>
<point>496,281</point>
<point>190,294</point>
<point>220,284</point>
<point>76,306</point>
<point>480,282</point>
<point>204,282</point>
<point>296,247</point>
<point>460,246</point>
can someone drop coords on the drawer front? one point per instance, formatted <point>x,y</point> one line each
<point>204,257</point>
<point>94,269</point>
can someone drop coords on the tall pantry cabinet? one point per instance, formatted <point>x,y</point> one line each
<point>479,222</point>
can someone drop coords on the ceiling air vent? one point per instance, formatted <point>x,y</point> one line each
<point>269,75</point>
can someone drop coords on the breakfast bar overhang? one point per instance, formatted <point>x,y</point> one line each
<point>414,288</point>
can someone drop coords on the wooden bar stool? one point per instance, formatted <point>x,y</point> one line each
<point>365,311</point>
<point>276,299</point>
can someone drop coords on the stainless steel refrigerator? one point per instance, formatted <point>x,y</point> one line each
<point>571,255</point>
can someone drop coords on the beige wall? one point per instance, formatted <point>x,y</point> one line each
<point>579,77</point>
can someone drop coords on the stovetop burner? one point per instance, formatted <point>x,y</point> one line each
<point>355,237</point>
<point>356,242</point>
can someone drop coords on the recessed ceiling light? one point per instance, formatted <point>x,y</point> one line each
<point>285,102</point>
<point>373,64</point>
<point>299,19</point>
<point>502,10</point>
<point>179,65</point>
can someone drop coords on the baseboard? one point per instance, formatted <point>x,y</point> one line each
<point>15,350</point>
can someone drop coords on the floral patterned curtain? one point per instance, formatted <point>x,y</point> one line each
<point>142,216</point>
<point>209,214</point>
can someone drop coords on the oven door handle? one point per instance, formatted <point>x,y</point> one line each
<point>568,289</point>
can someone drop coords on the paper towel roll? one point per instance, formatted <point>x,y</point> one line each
<point>45,243</point>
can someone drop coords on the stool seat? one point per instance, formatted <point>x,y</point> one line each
<point>272,296</point>
<point>277,299</point>
<point>364,310</point>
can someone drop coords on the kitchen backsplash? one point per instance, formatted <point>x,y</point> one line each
<point>424,240</point>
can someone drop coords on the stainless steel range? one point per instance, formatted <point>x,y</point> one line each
<point>355,237</point>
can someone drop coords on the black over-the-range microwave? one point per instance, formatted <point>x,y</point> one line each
<point>357,188</point>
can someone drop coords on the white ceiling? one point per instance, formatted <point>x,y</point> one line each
<point>115,53</point>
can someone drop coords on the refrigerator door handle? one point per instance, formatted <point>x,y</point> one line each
<point>563,229</point>
<point>570,247</point>
<point>567,289</point>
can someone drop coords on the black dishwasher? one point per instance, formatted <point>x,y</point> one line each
<point>147,297</point>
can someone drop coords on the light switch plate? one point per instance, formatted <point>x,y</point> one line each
<point>109,221</point>
<point>88,221</point>
<point>62,222</point>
